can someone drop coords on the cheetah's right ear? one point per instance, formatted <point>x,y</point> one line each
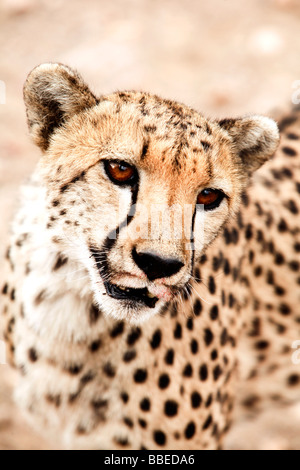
<point>255,139</point>
<point>52,94</point>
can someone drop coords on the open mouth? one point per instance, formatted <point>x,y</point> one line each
<point>142,296</point>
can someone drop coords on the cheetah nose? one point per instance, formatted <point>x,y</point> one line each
<point>156,266</point>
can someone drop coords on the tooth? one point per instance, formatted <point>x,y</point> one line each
<point>151,296</point>
<point>122,288</point>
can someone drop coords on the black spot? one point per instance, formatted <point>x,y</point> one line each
<point>214,355</point>
<point>190,430</point>
<point>284,309</point>
<point>294,266</point>
<point>208,337</point>
<point>99,403</point>
<point>178,331</point>
<point>203,372</point>
<point>133,336</point>
<point>74,369</point>
<point>73,396</point>
<point>245,199</point>
<point>60,261</point>
<point>194,346</point>
<point>203,259</point>
<point>214,312</point>
<point>291,206</point>
<point>289,151</point>
<point>259,236</point>
<point>140,376</point>
<point>207,423</point>
<point>249,232</point>
<point>187,371</point>
<point>292,136</point>
<point>258,271</point>
<point>169,357</point>
<point>279,259</point>
<point>163,381</point>
<point>129,355</point>
<point>171,408</point>
<point>297,247</point>
<point>109,370</point>
<point>122,441</point>
<point>231,300</point>
<point>205,145</point>
<point>95,345</point>
<point>145,404</point>
<point>223,296</point>
<point>197,308</point>
<point>261,345</point>
<point>216,263</point>
<point>128,422</point>
<point>211,285</point>
<point>156,339</point>
<point>287,121</point>
<point>224,337</point>
<point>117,330</point>
<point>293,380</point>
<point>279,290</point>
<point>88,377</point>
<point>64,188</point>
<point>142,423</point>
<point>40,298</point>
<point>5,289</point>
<point>124,397</point>
<point>159,438</point>
<point>54,399</point>
<point>251,401</point>
<point>13,295</point>
<point>226,267</point>
<point>196,400</point>
<point>32,355</point>
<point>94,313</point>
<point>227,236</point>
<point>150,129</point>
<point>282,226</point>
<point>190,324</point>
<point>217,372</point>
<point>209,400</point>
<point>270,278</point>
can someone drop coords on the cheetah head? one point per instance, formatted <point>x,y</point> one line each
<point>137,186</point>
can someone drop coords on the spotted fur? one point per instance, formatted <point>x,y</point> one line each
<point>100,375</point>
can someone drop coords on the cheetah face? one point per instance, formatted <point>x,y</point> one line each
<point>137,186</point>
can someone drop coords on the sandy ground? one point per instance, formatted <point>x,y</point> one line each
<point>224,57</point>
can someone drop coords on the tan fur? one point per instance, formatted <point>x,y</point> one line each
<point>99,374</point>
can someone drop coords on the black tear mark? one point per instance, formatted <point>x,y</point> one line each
<point>145,150</point>
<point>102,259</point>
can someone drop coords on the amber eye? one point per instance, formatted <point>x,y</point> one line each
<point>210,198</point>
<point>121,172</point>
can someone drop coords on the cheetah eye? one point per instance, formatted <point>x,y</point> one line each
<point>210,198</point>
<point>121,173</point>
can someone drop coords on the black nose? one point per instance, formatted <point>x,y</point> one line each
<point>155,266</point>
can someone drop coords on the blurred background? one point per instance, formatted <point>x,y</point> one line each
<point>223,57</point>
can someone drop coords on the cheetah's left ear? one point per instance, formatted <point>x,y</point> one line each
<point>255,139</point>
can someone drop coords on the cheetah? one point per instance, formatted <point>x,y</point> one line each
<point>129,337</point>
